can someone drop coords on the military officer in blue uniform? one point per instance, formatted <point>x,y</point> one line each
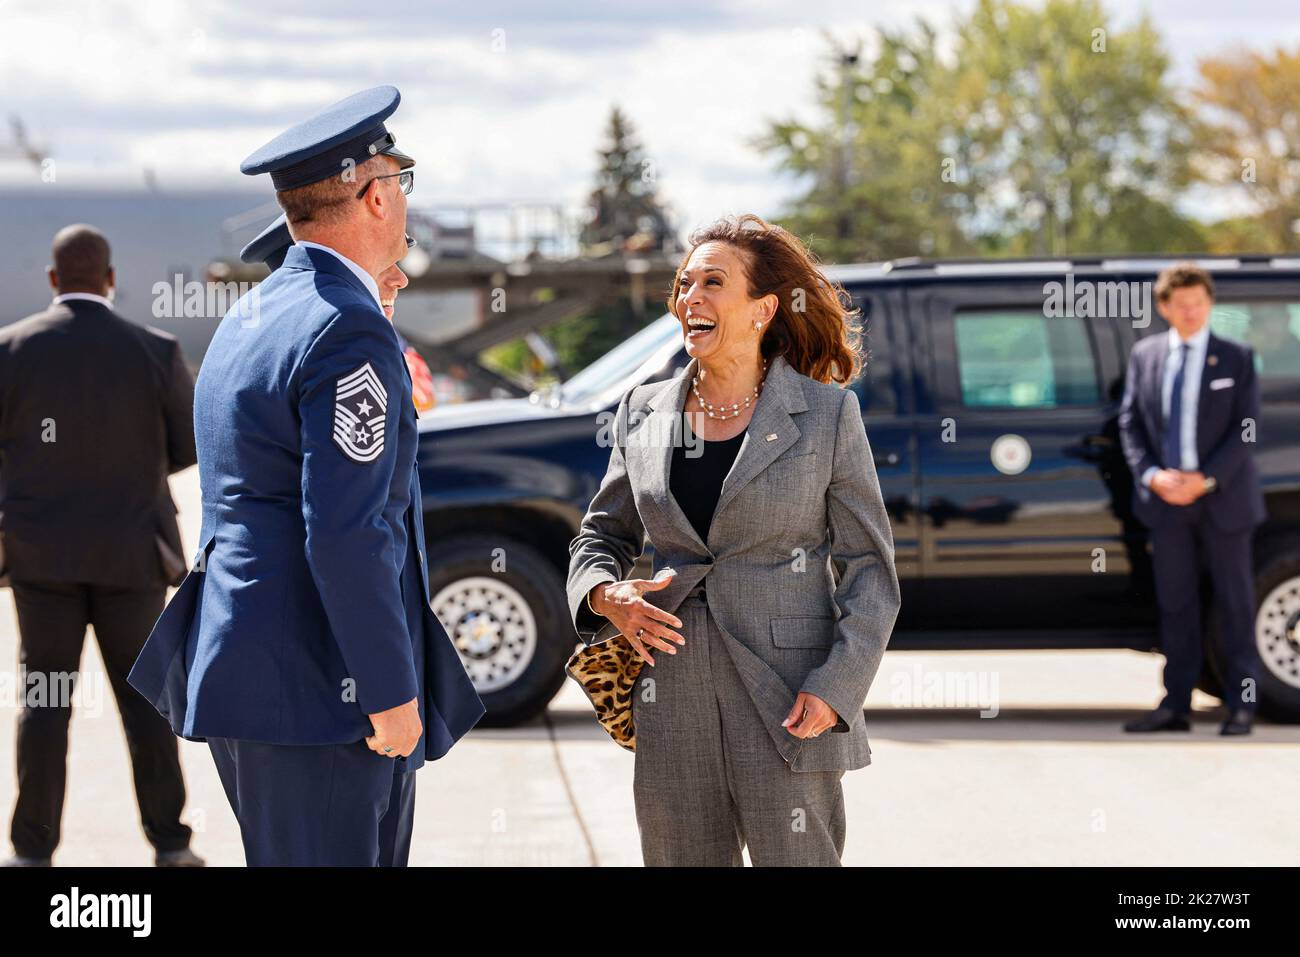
<point>301,646</point>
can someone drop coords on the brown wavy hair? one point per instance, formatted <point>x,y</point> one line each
<point>823,340</point>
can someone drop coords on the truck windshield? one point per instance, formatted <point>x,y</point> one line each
<point>614,368</point>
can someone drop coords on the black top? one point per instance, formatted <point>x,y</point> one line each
<point>696,481</point>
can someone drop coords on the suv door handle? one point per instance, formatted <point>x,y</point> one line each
<point>1093,448</point>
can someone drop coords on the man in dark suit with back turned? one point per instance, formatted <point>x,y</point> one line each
<point>1190,410</point>
<point>95,412</point>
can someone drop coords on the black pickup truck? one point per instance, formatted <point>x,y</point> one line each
<point>991,400</point>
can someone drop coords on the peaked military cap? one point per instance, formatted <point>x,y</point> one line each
<point>318,148</point>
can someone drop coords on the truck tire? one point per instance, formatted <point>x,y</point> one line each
<point>1277,633</point>
<point>503,605</point>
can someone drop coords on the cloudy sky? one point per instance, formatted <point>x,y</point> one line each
<point>502,101</point>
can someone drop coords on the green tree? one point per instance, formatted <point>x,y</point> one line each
<point>625,216</point>
<point>874,178</point>
<point>1067,135</point>
<point>1045,132</point>
<point>1249,142</point>
<point>623,206</point>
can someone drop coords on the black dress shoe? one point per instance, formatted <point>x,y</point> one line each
<point>19,861</point>
<point>1238,722</point>
<point>1161,719</point>
<point>182,858</point>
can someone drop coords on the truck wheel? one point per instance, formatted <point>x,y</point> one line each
<point>1277,634</point>
<point>504,608</point>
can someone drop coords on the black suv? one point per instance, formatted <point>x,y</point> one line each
<point>991,401</point>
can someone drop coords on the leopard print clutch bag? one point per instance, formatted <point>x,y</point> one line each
<point>607,673</point>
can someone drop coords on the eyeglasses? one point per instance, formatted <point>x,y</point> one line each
<point>405,179</point>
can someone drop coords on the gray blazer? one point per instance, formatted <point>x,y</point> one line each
<point>800,556</point>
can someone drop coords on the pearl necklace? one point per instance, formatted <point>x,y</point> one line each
<point>736,408</point>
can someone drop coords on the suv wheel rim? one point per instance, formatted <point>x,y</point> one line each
<point>491,626</point>
<point>1277,631</point>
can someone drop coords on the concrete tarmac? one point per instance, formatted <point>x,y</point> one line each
<point>1013,758</point>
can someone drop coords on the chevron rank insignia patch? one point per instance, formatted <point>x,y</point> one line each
<point>360,404</point>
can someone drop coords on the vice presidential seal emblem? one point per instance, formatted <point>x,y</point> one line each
<point>360,404</point>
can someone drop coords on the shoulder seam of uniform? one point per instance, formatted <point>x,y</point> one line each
<point>339,313</point>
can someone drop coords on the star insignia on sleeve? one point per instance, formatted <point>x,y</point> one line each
<point>358,432</point>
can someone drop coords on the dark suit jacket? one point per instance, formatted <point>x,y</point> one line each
<point>1221,451</point>
<point>95,413</point>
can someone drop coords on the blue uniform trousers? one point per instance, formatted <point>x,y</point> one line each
<point>334,805</point>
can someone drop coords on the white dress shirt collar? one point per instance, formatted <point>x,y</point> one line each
<point>360,273</point>
<point>1198,340</point>
<point>86,296</point>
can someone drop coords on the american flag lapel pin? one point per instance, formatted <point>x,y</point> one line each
<point>771,436</point>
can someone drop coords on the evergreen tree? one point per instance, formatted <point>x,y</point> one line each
<point>623,205</point>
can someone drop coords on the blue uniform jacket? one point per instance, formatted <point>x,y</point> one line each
<point>307,607</point>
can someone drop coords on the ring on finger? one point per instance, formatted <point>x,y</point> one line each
<point>639,632</point>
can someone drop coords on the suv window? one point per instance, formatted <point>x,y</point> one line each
<point>1022,359</point>
<point>1272,328</point>
<point>875,386</point>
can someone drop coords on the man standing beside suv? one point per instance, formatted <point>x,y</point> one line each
<point>1189,415</point>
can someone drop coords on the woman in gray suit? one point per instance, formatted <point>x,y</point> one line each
<point>774,592</point>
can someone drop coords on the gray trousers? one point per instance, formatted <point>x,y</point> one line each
<point>709,780</point>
